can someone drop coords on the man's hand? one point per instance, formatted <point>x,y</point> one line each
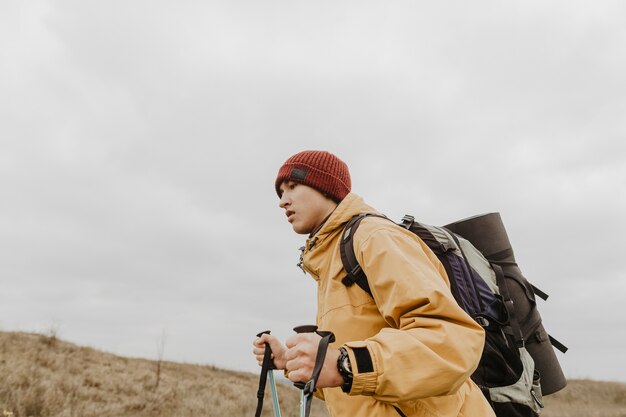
<point>300,361</point>
<point>278,350</point>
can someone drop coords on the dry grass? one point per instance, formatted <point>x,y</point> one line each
<point>41,376</point>
<point>586,398</point>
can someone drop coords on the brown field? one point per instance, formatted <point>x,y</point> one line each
<point>42,376</point>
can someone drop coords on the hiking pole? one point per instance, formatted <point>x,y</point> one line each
<point>308,388</point>
<point>267,371</point>
<point>275,405</point>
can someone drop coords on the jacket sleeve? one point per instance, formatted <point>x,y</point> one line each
<point>431,346</point>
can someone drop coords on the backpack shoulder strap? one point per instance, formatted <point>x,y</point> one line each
<point>354,272</point>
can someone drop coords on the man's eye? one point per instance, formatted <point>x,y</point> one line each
<point>292,185</point>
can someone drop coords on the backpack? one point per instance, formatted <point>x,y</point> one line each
<point>518,364</point>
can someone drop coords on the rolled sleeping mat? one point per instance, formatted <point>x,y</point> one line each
<point>488,234</point>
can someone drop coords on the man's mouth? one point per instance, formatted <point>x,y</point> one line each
<point>289,215</point>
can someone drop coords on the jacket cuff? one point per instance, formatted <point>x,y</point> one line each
<point>364,380</point>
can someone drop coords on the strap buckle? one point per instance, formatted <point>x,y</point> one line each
<point>407,221</point>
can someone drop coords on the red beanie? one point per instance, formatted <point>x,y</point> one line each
<point>317,169</point>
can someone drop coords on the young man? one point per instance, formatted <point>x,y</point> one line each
<point>408,350</point>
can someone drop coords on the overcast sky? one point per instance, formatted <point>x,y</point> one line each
<point>139,143</point>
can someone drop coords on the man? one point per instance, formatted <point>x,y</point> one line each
<point>408,349</point>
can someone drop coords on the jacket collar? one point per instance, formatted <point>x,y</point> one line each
<point>350,206</point>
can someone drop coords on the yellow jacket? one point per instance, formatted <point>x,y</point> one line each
<point>411,347</point>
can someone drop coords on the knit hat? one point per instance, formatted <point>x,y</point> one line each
<point>317,169</point>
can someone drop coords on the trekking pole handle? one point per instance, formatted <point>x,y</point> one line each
<point>309,386</point>
<point>307,328</point>
<point>267,347</point>
<point>266,368</point>
<point>270,375</point>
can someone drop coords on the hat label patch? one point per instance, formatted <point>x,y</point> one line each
<point>298,174</point>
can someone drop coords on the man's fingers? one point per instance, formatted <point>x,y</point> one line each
<point>260,341</point>
<point>300,356</point>
<point>269,339</point>
<point>301,366</point>
<point>261,357</point>
<point>259,349</point>
<point>297,376</point>
<point>303,338</point>
<point>277,349</point>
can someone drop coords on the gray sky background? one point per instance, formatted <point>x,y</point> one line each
<point>139,142</point>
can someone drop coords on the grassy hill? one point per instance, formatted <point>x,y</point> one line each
<point>41,376</point>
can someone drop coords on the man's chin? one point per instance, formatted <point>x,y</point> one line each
<point>300,230</point>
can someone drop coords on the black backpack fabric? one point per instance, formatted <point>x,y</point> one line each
<point>518,364</point>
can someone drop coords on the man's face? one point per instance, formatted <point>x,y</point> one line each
<point>305,207</point>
